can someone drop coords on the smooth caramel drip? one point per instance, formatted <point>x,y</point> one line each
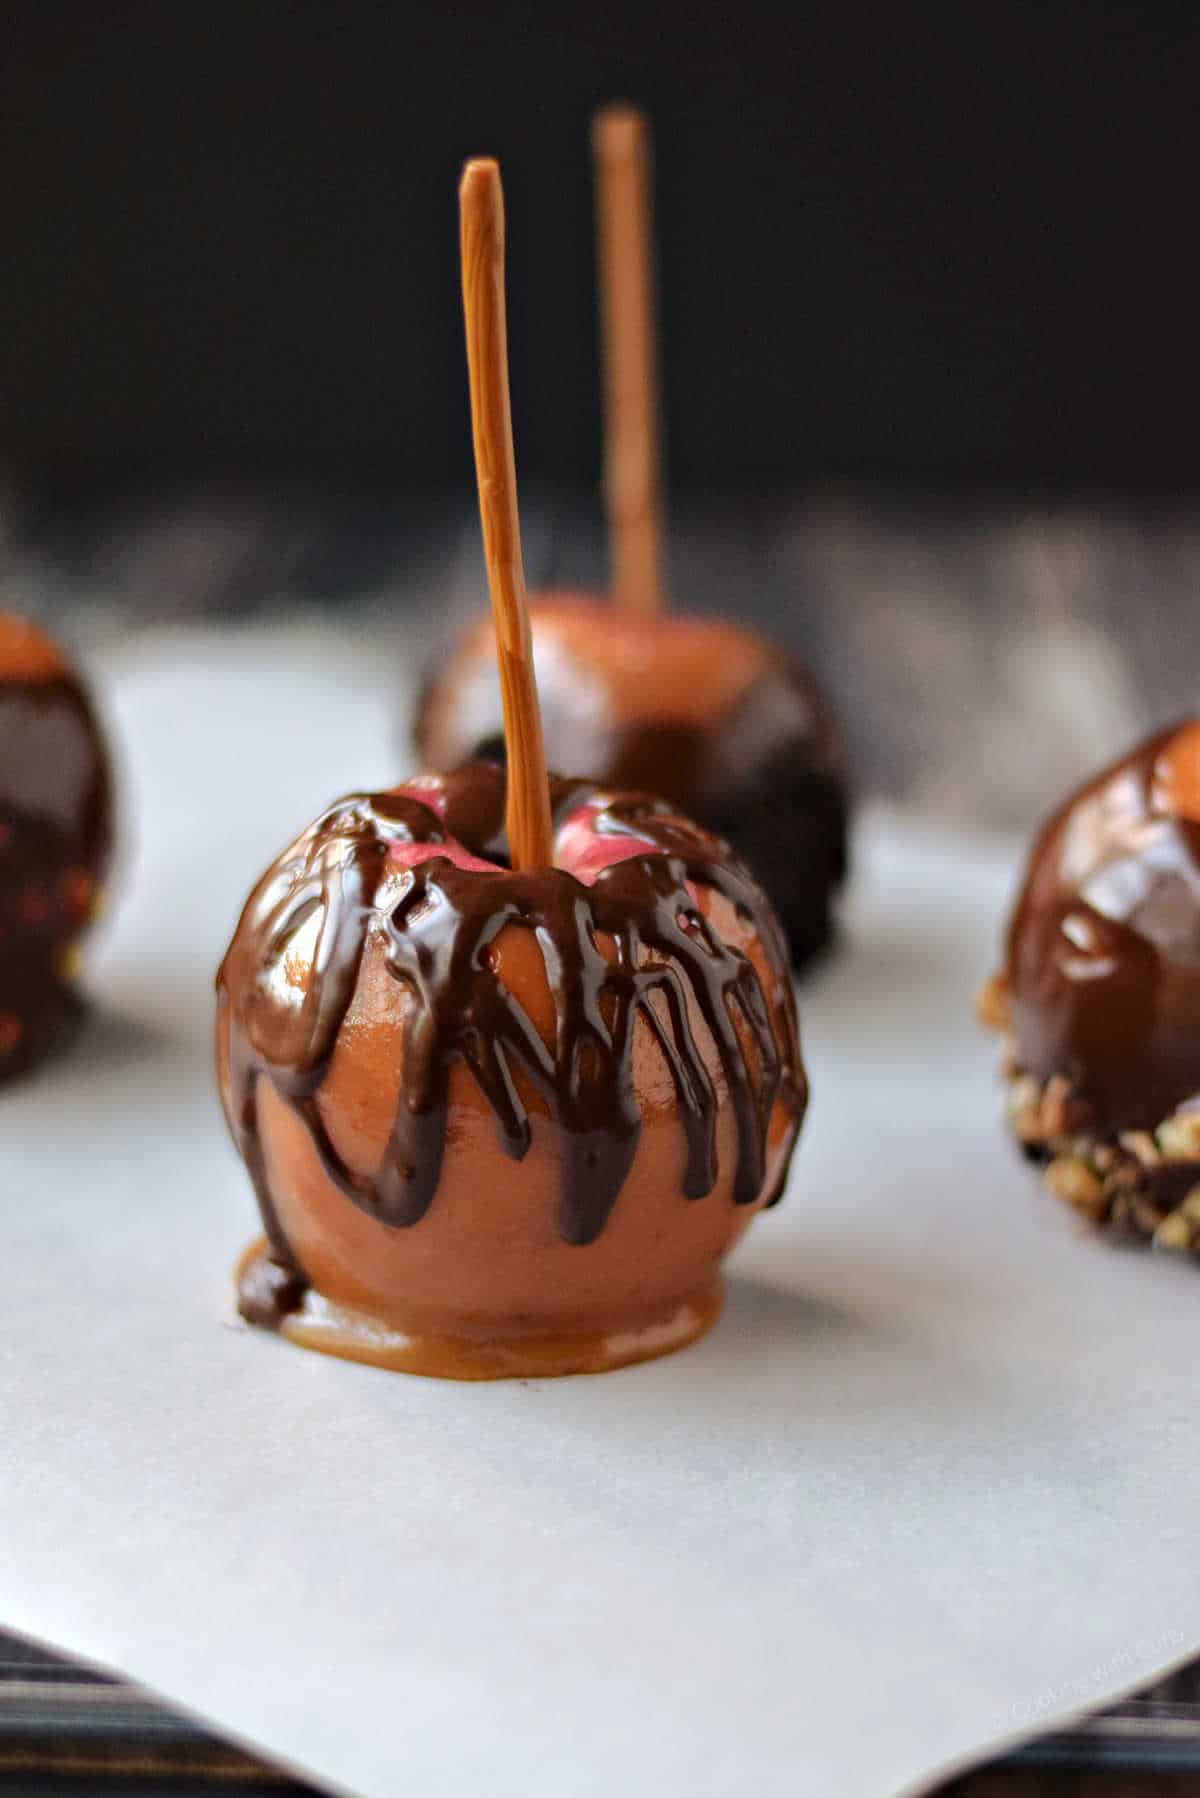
<point>437,939</point>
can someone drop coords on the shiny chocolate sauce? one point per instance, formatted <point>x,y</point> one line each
<point>340,882</point>
<point>55,836</point>
<point>1103,959</point>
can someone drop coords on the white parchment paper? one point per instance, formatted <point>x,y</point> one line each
<point>927,1486</point>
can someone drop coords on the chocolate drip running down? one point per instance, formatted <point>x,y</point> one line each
<point>633,944</point>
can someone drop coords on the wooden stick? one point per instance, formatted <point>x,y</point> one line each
<point>481,228</point>
<point>621,152</point>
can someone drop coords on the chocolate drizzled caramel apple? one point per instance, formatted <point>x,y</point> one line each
<point>512,1062</point>
<point>1099,998</point>
<point>55,832</point>
<point>708,714</point>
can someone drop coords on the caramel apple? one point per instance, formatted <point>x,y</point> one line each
<point>55,831</point>
<point>511,1062</point>
<point>702,711</point>
<point>1099,996</point>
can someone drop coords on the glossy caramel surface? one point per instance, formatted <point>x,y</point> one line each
<point>699,711</point>
<point>352,1335</point>
<point>487,1105</point>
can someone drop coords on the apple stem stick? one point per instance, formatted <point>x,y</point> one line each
<point>481,225</point>
<point>621,151</point>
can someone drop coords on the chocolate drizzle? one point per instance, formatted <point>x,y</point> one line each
<point>1103,964</point>
<point>633,944</point>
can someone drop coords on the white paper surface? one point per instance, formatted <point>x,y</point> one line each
<point>928,1484</point>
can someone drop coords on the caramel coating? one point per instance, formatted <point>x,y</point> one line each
<point>27,653</point>
<point>489,1264</point>
<point>699,711</point>
<point>626,668</point>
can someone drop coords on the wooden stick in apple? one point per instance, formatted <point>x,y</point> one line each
<point>621,150</point>
<point>481,224</point>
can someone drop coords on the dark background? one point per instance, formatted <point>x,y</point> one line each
<point>891,248</point>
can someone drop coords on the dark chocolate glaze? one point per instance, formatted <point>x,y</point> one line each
<point>55,835</point>
<point>1103,961</point>
<point>769,775</point>
<point>437,921</point>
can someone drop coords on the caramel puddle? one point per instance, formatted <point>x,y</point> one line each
<point>351,1335</point>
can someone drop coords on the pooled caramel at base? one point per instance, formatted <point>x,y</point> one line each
<point>314,1322</point>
